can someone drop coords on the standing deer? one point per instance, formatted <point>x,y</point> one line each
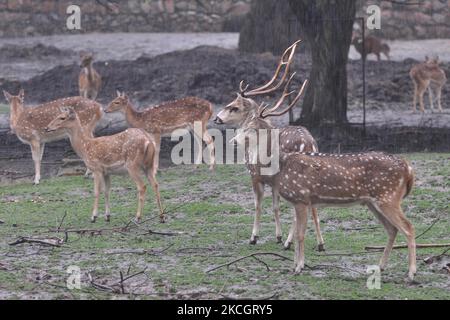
<point>89,81</point>
<point>377,180</point>
<point>132,150</point>
<point>371,44</point>
<point>29,123</point>
<point>427,75</point>
<point>243,112</point>
<point>167,117</point>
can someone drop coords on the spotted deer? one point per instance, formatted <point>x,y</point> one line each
<point>29,123</point>
<point>309,179</point>
<point>165,118</point>
<point>89,81</point>
<point>243,112</point>
<point>370,45</point>
<point>427,75</point>
<point>132,151</point>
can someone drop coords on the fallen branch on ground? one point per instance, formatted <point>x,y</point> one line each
<point>117,287</point>
<point>418,245</point>
<point>438,257</point>
<point>52,241</point>
<point>253,255</point>
<point>429,228</point>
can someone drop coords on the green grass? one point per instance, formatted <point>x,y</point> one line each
<point>210,216</point>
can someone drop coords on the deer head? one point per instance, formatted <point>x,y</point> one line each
<point>16,105</point>
<point>244,108</point>
<point>65,120</point>
<point>119,103</point>
<point>86,59</point>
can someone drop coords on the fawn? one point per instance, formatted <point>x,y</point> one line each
<point>427,75</point>
<point>132,150</point>
<point>29,123</point>
<point>89,81</point>
<point>371,45</point>
<point>167,117</point>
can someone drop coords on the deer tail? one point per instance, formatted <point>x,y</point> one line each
<point>409,180</point>
<point>149,157</point>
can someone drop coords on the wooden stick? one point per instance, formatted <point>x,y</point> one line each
<point>54,242</point>
<point>249,256</point>
<point>418,245</point>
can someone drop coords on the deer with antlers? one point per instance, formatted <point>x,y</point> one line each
<point>165,118</point>
<point>29,123</point>
<point>132,151</point>
<point>89,81</point>
<point>244,112</point>
<point>427,75</point>
<point>310,179</point>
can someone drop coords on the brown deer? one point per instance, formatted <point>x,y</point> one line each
<point>371,45</point>
<point>165,118</point>
<point>132,150</point>
<point>29,123</point>
<point>378,180</point>
<point>427,75</point>
<point>243,112</point>
<point>89,81</point>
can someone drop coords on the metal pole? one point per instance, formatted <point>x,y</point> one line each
<point>364,73</point>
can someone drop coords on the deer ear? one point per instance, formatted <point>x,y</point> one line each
<point>22,95</point>
<point>118,93</point>
<point>7,95</point>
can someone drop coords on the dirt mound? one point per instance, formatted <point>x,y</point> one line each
<point>13,52</point>
<point>214,73</point>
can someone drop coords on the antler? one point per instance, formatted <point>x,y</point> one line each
<point>288,54</point>
<point>270,113</point>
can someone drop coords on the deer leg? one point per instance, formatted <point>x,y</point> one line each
<point>421,91</point>
<point>36,155</point>
<point>210,143</point>
<point>198,139</point>
<point>320,242</point>
<point>438,97</point>
<point>301,218</point>
<point>152,180</point>
<point>430,97</point>
<point>107,180</point>
<point>258,190</point>
<point>288,242</point>
<point>276,212</point>
<point>157,138</point>
<point>415,97</point>
<point>135,174</point>
<point>98,177</point>
<point>396,217</point>
<point>391,231</point>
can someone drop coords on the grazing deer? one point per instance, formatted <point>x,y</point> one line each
<point>29,123</point>
<point>167,117</point>
<point>243,112</point>
<point>89,81</point>
<point>132,150</point>
<point>429,75</point>
<point>377,180</point>
<point>371,45</point>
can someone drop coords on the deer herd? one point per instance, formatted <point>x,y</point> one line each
<point>306,178</point>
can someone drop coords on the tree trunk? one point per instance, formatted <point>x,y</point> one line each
<point>327,26</point>
<point>269,27</point>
